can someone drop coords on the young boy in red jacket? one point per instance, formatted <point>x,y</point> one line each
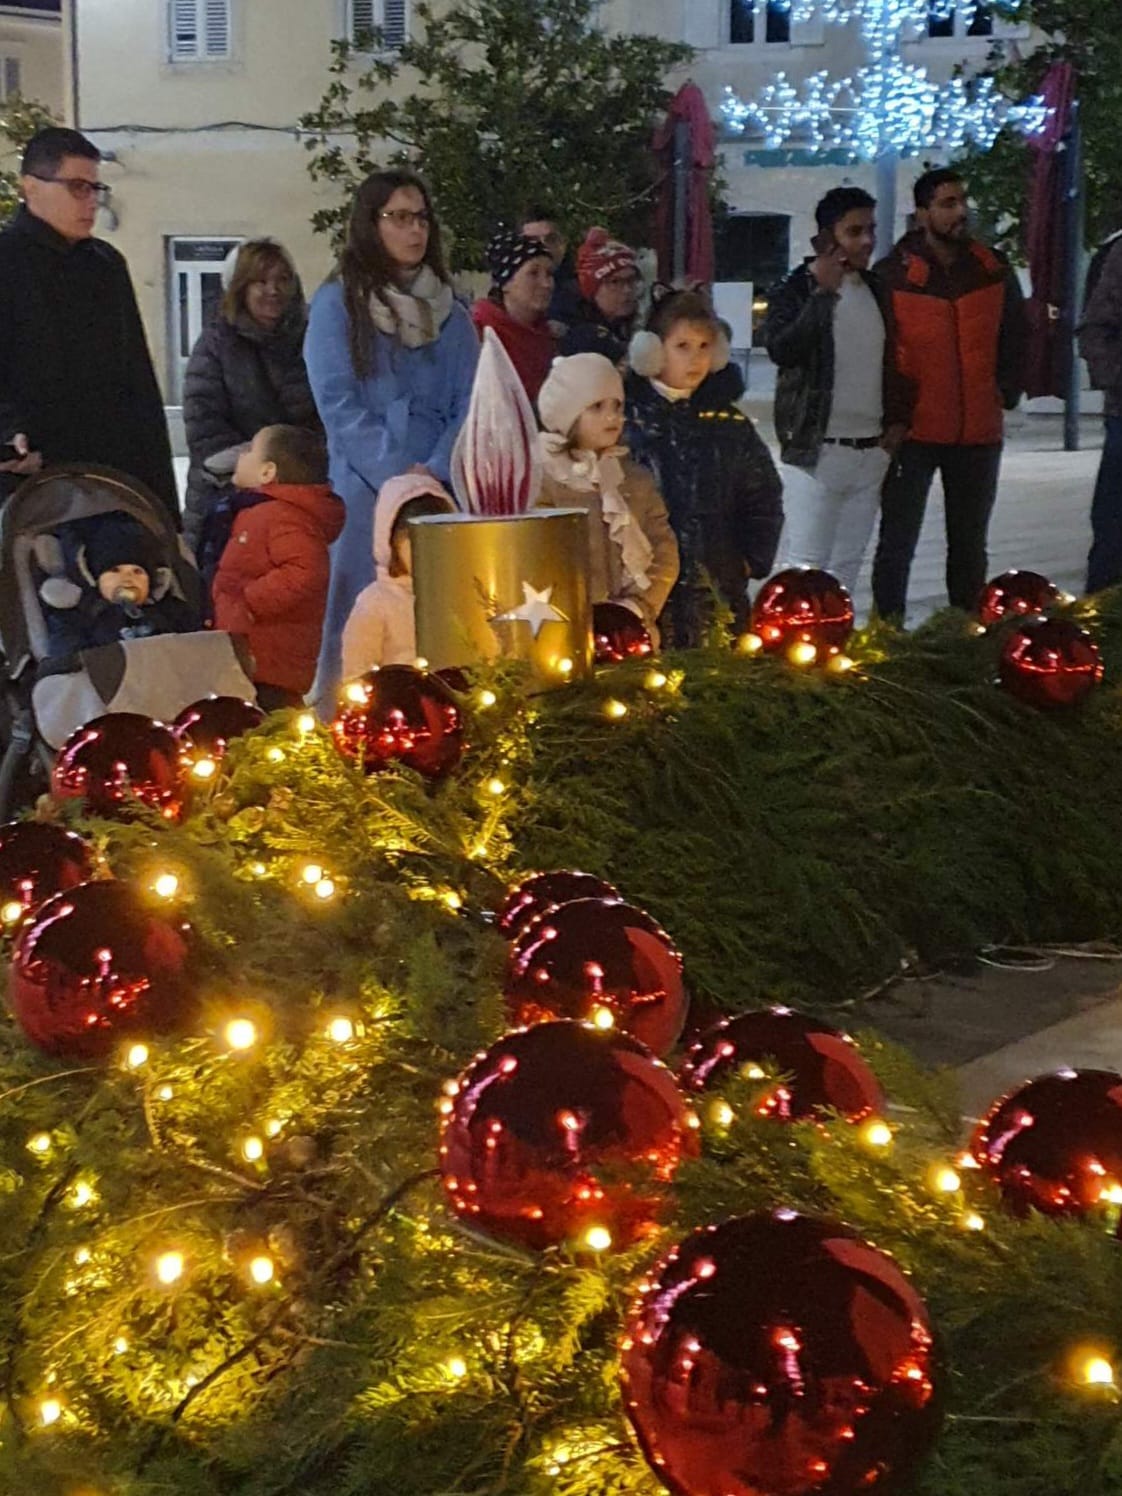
<point>271,583</point>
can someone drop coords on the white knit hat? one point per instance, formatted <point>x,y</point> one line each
<point>573,385</point>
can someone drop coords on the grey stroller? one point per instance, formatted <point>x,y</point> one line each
<point>45,700</point>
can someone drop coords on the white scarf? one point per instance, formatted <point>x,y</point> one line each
<point>416,316</point>
<point>603,473</point>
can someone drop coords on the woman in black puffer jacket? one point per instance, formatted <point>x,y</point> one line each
<point>246,371</point>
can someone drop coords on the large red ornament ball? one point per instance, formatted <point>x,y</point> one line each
<point>1050,662</point>
<point>541,891</point>
<point>1055,1144</point>
<point>119,759</point>
<point>618,634</point>
<point>803,605</point>
<point>399,714</point>
<point>208,727</point>
<point>780,1355</point>
<point>601,960</point>
<point>94,966</point>
<point>560,1134</point>
<point>1015,594</point>
<point>822,1068</point>
<point>38,859</point>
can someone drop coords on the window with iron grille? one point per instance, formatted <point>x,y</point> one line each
<point>198,30</point>
<point>391,15</point>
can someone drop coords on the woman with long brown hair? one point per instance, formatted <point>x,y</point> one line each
<point>245,372</point>
<point>391,356</point>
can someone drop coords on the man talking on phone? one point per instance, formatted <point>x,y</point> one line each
<point>76,377</point>
<point>838,413</point>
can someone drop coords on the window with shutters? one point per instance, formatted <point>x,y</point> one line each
<point>758,22</point>
<point>392,16</point>
<point>198,30</point>
<point>9,78</point>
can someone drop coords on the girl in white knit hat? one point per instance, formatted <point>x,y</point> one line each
<point>633,552</point>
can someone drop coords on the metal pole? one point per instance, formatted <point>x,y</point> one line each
<point>682,154</point>
<point>1074,209</point>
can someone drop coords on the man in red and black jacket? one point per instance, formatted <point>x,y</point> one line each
<point>957,336</point>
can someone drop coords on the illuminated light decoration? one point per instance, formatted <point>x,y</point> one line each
<point>749,644</point>
<point>800,610</point>
<point>946,1181</point>
<point>204,768</point>
<point>1049,663</point>
<point>81,1195</point>
<point>404,716</point>
<point>721,1114</point>
<point>341,1030</point>
<point>973,1221</point>
<point>542,891</point>
<point>170,1267</point>
<point>50,1411</point>
<point>559,1129</point>
<point>603,1019</point>
<point>240,1033</point>
<point>822,1067</point>
<point>165,1093</point>
<point>888,107</point>
<point>275,755</point>
<point>877,1134</point>
<point>118,760</point>
<point>1015,594</point>
<point>536,609</point>
<point>456,1367</point>
<point>615,709</point>
<point>325,889</point>
<point>598,1239</point>
<point>1054,1144</point>
<point>305,724</point>
<point>311,873</point>
<point>618,634</point>
<point>1096,1371</point>
<point>751,1362</point>
<point>655,680</point>
<point>96,965</point>
<point>486,699</point>
<point>38,859</point>
<point>262,1270</point>
<point>598,953</point>
<point>39,1143</point>
<point>252,1149</point>
<point>120,1345</point>
<point>496,787</point>
<point>565,666</point>
<point>840,664</point>
<point>206,729</point>
<point>136,1056</point>
<point>166,886</point>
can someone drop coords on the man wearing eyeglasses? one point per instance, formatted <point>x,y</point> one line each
<point>76,377</point>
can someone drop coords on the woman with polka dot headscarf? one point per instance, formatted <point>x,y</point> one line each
<point>517,306</point>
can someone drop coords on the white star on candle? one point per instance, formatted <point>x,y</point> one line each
<point>535,610</point>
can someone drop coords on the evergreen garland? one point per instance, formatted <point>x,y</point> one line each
<point>799,835</point>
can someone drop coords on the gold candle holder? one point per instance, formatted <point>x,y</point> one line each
<point>513,587</point>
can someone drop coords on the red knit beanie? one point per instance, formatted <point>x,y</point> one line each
<point>600,256</point>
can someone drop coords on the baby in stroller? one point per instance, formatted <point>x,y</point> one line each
<point>114,588</point>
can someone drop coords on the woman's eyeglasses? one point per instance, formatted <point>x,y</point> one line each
<point>79,188</point>
<point>405,218</point>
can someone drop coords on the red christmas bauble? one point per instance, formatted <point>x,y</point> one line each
<point>94,966</point>
<point>399,714</point>
<point>208,727</point>
<point>1015,594</point>
<point>618,634</point>
<point>1055,1144</point>
<point>119,759</point>
<point>822,1067</point>
<point>38,859</point>
<point>1050,662</point>
<point>600,960</point>
<point>803,605</point>
<point>560,1134</point>
<point>780,1355</point>
<point>541,891</point>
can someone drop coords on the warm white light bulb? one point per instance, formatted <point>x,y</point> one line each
<point>615,710</point>
<point>341,1030</point>
<point>877,1134</point>
<point>456,1367</point>
<point>261,1270</point>
<point>253,1149</point>
<point>206,768</point>
<point>305,723</point>
<point>166,885</point>
<point>1098,1372</point>
<point>311,873</point>
<point>136,1056</point>
<point>241,1033</point>
<point>598,1238</point>
<point>486,699</point>
<point>50,1411</point>
<point>11,911</point>
<point>169,1267</point>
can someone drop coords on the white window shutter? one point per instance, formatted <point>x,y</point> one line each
<point>183,29</point>
<point>395,22</point>
<point>363,18</point>
<point>216,28</point>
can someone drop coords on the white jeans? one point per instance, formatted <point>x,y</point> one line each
<point>830,513</point>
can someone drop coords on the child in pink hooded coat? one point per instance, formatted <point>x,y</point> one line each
<point>382,629</point>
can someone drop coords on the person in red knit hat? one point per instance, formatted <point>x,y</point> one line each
<point>608,274</point>
<point>271,583</point>
<point>517,306</point>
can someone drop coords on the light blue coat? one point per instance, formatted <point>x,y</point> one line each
<point>408,410</point>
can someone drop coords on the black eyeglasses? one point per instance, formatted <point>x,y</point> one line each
<point>79,188</point>
<point>404,218</point>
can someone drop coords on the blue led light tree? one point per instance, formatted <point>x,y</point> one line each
<point>887,108</point>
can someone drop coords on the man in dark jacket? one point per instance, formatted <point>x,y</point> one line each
<point>838,411</point>
<point>76,378</point>
<point>1100,343</point>
<point>608,273</point>
<point>957,334</point>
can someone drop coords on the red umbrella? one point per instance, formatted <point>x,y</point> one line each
<point>1047,355</point>
<point>686,140</point>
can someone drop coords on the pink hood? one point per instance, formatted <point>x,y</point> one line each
<point>392,496</point>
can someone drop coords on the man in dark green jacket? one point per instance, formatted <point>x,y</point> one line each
<point>76,377</point>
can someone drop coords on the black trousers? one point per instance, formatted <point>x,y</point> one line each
<point>969,488</point>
